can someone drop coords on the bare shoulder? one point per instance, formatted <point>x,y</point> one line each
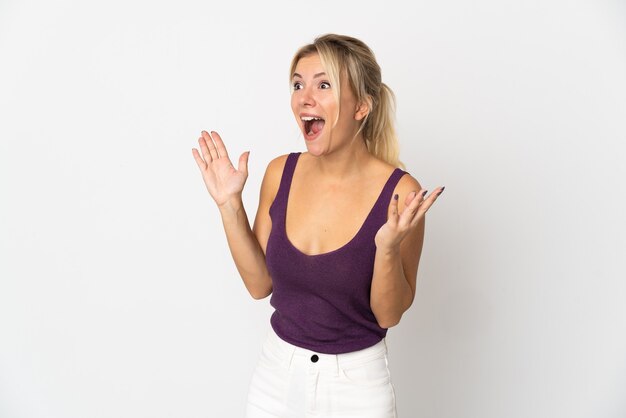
<point>278,162</point>
<point>273,174</point>
<point>405,185</point>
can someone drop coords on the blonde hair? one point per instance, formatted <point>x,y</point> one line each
<point>348,55</point>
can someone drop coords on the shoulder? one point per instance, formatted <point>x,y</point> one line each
<point>405,185</point>
<point>273,174</point>
<point>276,166</point>
<point>403,189</point>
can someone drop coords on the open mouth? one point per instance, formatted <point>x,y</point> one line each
<point>312,125</point>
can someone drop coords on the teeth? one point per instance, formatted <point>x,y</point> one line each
<point>308,118</point>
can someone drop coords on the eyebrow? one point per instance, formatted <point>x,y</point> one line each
<point>315,76</point>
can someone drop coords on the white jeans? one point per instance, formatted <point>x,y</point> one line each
<point>289,383</point>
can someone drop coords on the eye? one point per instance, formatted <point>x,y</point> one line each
<point>296,85</point>
<point>324,85</point>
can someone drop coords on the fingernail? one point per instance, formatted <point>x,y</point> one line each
<point>441,191</point>
<point>424,193</point>
<point>395,196</point>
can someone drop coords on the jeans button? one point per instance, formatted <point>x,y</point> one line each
<point>314,358</point>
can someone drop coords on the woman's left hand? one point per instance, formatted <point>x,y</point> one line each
<point>398,226</point>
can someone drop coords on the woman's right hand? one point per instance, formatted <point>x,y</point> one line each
<point>222,180</point>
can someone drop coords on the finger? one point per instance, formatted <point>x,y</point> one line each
<point>205,149</point>
<point>409,198</point>
<point>196,155</point>
<point>392,215</point>
<point>410,209</point>
<point>210,146</point>
<point>428,202</point>
<point>219,144</point>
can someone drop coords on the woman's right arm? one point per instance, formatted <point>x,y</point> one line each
<point>225,185</point>
<point>244,246</point>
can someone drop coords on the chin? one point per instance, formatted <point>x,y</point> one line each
<point>314,150</point>
<point>314,147</point>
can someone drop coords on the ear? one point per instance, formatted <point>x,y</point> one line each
<point>363,109</point>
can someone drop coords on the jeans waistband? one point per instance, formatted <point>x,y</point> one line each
<point>332,362</point>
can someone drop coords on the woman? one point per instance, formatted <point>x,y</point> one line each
<point>340,260</point>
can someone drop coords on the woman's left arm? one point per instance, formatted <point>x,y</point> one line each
<point>398,249</point>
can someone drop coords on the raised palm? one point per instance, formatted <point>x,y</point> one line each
<point>222,180</point>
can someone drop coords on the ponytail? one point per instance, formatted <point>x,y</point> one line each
<point>379,128</point>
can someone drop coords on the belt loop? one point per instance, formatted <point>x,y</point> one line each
<point>336,368</point>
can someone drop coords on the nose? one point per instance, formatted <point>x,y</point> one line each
<point>306,97</point>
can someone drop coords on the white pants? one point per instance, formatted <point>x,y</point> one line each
<point>293,382</point>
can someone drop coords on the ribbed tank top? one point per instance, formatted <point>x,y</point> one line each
<point>322,301</point>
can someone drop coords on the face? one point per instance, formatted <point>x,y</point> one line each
<point>315,108</point>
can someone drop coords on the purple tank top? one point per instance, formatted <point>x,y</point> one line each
<point>322,301</point>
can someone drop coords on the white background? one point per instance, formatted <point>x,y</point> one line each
<point>118,295</point>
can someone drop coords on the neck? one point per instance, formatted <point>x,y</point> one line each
<point>345,162</point>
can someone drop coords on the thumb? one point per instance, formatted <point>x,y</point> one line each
<point>243,162</point>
